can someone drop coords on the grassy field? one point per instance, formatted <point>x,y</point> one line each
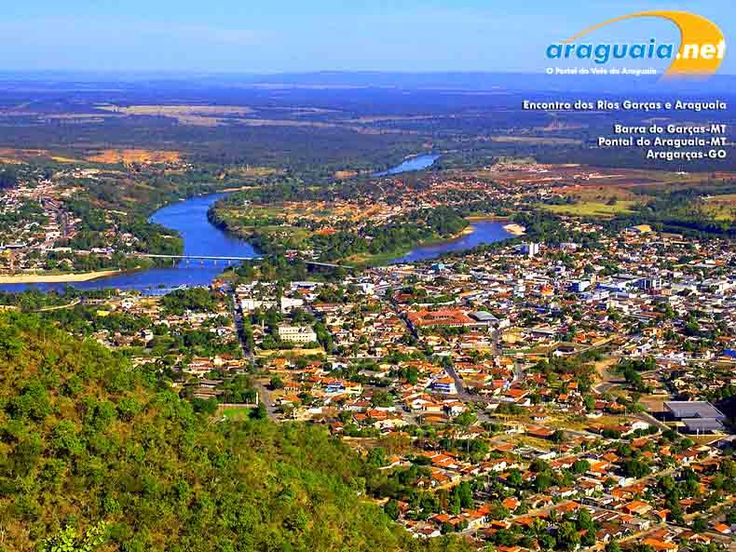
<point>197,115</point>
<point>721,207</point>
<point>236,412</point>
<point>366,259</point>
<point>113,156</point>
<point>592,209</point>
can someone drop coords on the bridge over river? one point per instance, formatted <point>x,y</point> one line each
<point>230,258</point>
<point>206,248</point>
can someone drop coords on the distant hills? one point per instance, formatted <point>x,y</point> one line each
<point>469,81</point>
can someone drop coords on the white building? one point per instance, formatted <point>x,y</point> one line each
<point>529,249</point>
<point>289,304</point>
<point>249,304</point>
<point>297,334</point>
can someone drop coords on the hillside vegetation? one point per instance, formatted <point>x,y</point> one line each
<point>97,456</point>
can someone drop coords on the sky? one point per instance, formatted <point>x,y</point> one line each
<point>246,36</point>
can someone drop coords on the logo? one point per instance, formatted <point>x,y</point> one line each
<point>701,50</point>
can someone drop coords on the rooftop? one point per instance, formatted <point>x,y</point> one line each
<point>693,409</point>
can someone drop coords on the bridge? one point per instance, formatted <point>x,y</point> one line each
<point>230,258</point>
<point>196,257</point>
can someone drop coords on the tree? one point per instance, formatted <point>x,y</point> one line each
<point>171,478</point>
<point>376,457</point>
<point>635,468</point>
<point>546,541</point>
<point>412,375</point>
<point>589,401</point>
<point>206,406</point>
<point>568,537</point>
<point>392,509</point>
<point>259,412</point>
<point>580,466</point>
<point>466,419</point>
<point>69,539</point>
<point>728,468</point>
<point>514,478</point>
<point>454,507</point>
<point>585,520</point>
<point>382,398</point>
<point>542,481</point>
<point>731,516</point>
<point>538,465</point>
<point>699,524</point>
<point>585,523</point>
<point>8,177</point>
<point>464,493</point>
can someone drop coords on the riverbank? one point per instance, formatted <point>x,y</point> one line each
<point>205,233</point>
<point>510,227</point>
<point>40,278</point>
<point>479,232</point>
<point>515,229</point>
<point>387,257</point>
<point>269,242</point>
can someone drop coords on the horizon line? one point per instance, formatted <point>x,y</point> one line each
<point>196,72</point>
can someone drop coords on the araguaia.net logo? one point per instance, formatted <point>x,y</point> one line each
<point>700,52</point>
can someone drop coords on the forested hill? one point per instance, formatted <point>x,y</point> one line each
<point>94,451</point>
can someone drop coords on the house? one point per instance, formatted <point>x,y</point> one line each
<point>445,385</point>
<point>511,503</point>
<point>249,304</point>
<point>540,432</point>
<point>723,528</point>
<point>658,544</point>
<point>637,507</point>
<point>640,229</point>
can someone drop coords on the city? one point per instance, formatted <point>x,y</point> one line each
<point>367,276</point>
<point>559,393</point>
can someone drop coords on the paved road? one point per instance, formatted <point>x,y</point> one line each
<point>263,393</point>
<point>265,397</point>
<point>648,418</point>
<point>59,307</point>
<point>459,385</point>
<point>609,380</point>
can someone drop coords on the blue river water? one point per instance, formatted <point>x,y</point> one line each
<point>411,164</point>
<point>189,218</point>
<point>484,232</point>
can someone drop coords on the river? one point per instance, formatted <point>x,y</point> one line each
<point>483,232</point>
<point>189,218</point>
<point>411,164</point>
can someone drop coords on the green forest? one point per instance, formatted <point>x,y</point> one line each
<point>98,456</point>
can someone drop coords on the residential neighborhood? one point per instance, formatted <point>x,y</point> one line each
<point>500,392</point>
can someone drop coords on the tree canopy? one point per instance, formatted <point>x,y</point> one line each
<point>95,451</point>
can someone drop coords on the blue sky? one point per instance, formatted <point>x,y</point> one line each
<point>303,35</point>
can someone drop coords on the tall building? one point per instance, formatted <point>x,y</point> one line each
<point>530,249</point>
